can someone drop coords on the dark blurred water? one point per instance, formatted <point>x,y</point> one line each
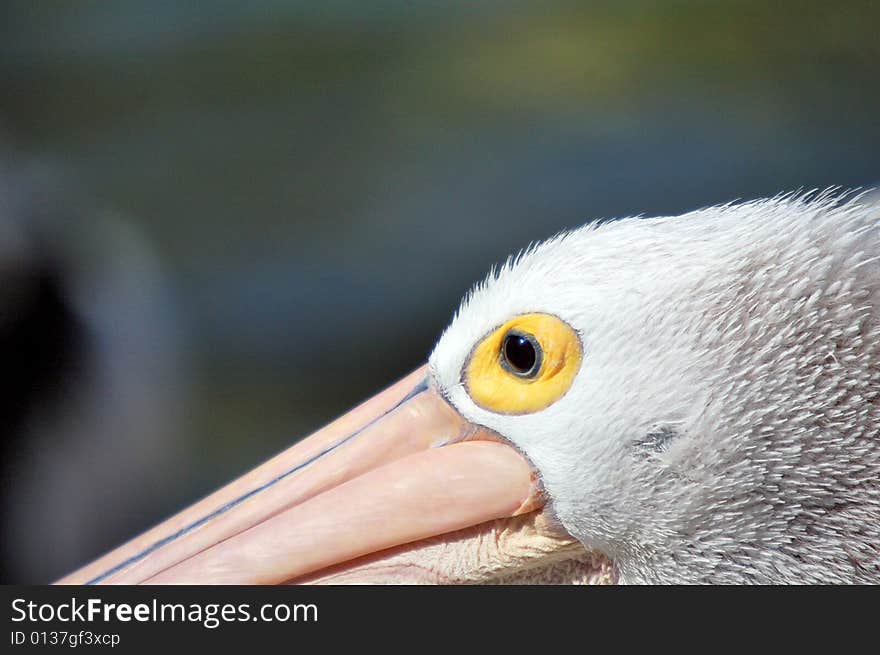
<point>319,183</point>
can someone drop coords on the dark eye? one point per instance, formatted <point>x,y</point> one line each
<point>521,354</point>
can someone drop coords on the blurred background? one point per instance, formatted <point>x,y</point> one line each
<point>224,223</point>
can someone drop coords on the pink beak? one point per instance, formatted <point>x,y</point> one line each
<point>400,468</point>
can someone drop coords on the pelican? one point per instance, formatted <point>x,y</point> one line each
<point>690,399</point>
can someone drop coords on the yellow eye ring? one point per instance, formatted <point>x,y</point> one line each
<point>523,366</point>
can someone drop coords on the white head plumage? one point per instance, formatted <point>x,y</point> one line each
<point>724,423</point>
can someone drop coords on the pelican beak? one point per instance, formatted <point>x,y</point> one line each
<point>358,501</point>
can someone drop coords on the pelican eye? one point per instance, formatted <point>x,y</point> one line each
<point>521,354</point>
<point>524,365</point>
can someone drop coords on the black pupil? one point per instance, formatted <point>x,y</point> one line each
<point>519,353</point>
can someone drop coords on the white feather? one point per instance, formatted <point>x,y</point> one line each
<point>725,423</point>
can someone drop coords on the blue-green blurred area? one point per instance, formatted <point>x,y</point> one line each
<point>279,204</point>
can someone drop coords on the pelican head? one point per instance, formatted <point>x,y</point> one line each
<point>675,399</point>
